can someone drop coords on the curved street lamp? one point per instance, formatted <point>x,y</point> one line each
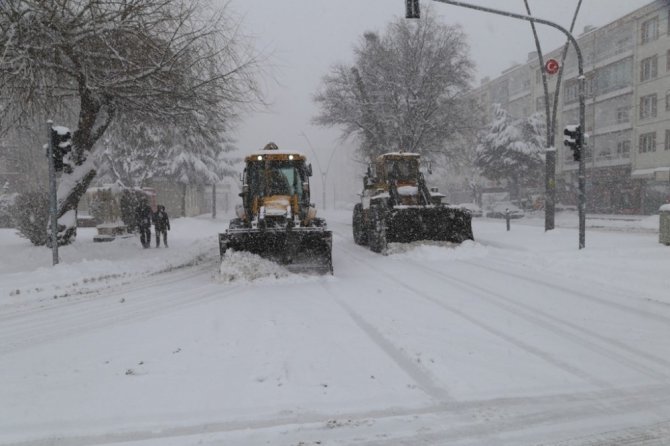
<point>324,173</point>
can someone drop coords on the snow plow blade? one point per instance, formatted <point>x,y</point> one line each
<point>300,250</point>
<point>409,224</point>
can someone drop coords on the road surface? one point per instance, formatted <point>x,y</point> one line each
<point>430,345</point>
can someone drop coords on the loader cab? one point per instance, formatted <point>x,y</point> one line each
<point>400,167</point>
<point>275,174</point>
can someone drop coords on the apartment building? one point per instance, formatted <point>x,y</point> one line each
<point>627,68</point>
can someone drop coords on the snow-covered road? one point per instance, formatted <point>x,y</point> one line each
<point>516,339</point>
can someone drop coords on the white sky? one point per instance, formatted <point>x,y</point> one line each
<point>306,37</point>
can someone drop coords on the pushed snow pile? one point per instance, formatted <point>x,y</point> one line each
<point>241,266</point>
<point>435,250</point>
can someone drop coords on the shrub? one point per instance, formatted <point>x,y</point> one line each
<point>6,209</point>
<point>31,216</point>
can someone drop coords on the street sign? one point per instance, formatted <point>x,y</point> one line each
<point>551,66</point>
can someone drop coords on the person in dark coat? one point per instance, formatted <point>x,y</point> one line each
<point>161,225</point>
<point>144,215</point>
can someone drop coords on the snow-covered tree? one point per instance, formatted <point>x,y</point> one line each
<point>158,59</point>
<point>512,150</point>
<point>405,91</point>
<point>132,151</point>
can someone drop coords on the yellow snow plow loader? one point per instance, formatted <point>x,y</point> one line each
<point>276,219</point>
<point>397,206</point>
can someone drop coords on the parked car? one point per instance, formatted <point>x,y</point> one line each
<point>474,210</point>
<point>499,210</point>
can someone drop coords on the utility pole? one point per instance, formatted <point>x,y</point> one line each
<point>324,173</point>
<point>53,204</point>
<point>213,200</point>
<point>412,11</point>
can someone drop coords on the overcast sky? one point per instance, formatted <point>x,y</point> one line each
<point>306,37</point>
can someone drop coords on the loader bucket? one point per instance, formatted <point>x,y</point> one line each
<point>429,223</point>
<point>300,250</point>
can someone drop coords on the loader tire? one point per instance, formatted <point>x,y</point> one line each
<point>377,232</point>
<point>360,235</point>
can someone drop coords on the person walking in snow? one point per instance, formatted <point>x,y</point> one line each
<point>144,214</point>
<point>161,225</point>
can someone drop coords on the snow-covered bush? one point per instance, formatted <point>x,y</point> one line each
<point>6,205</point>
<point>30,214</point>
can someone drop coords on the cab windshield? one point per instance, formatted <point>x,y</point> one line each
<point>275,178</point>
<point>402,170</point>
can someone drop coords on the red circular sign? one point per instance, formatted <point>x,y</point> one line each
<point>551,66</point>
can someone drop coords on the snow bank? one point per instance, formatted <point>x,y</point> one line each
<point>86,266</point>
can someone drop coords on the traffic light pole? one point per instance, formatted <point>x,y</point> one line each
<point>582,162</point>
<point>413,12</point>
<point>53,204</point>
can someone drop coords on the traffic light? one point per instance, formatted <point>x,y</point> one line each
<point>412,9</point>
<point>61,140</point>
<point>573,139</point>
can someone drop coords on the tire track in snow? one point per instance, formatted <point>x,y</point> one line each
<point>136,307</point>
<point>447,421</point>
<point>627,309</point>
<point>531,349</point>
<point>653,435</point>
<point>552,323</point>
<point>86,295</point>
<point>99,297</point>
<point>422,378</point>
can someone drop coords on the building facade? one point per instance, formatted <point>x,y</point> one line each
<point>627,68</point>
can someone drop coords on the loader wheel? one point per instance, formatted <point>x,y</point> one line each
<point>360,235</point>
<point>377,232</point>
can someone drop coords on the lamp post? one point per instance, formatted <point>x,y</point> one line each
<point>324,173</point>
<point>53,199</point>
<point>413,12</point>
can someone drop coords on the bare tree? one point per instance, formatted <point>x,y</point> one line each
<point>174,60</point>
<point>405,91</point>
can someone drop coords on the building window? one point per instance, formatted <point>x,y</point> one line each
<point>648,68</point>
<point>622,115</point>
<point>647,142</point>
<point>667,140</point>
<point>614,76</point>
<point>623,149</point>
<point>649,31</point>
<point>571,92</point>
<point>623,44</point>
<point>667,100</point>
<point>648,106</point>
